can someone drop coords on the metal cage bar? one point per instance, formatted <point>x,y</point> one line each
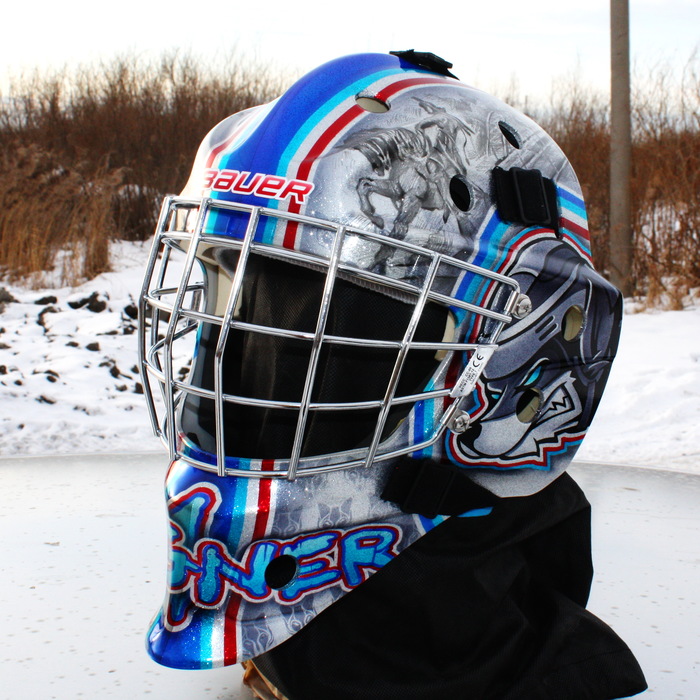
<point>159,300</point>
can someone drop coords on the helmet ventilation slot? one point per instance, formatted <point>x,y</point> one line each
<point>509,134</point>
<point>372,103</point>
<point>281,571</point>
<point>528,405</point>
<point>573,322</point>
<point>459,191</point>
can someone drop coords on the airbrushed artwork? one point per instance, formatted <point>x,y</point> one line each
<point>413,167</point>
<point>382,266</point>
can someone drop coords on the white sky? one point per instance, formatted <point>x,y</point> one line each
<point>490,42</point>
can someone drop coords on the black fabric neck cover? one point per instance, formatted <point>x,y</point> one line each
<point>485,608</point>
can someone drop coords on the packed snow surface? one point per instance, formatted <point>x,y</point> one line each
<point>84,554</point>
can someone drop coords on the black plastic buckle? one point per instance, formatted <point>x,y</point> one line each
<point>526,197</point>
<point>425,59</point>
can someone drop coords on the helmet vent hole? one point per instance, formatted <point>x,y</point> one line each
<point>572,323</point>
<point>510,134</point>
<point>371,103</point>
<point>528,405</point>
<point>459,191</point>
<point>281,571</point>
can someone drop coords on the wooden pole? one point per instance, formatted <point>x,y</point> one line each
<point>620,149</point>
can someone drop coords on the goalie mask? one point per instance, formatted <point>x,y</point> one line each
<point>371,308</point>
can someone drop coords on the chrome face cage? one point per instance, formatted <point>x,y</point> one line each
<point>171,311</point>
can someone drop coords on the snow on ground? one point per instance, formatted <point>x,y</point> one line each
<point>68,376</point>
<point>69,381</point>
<point>650,411</point>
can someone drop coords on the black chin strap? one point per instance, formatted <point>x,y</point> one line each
<point>430,489</point>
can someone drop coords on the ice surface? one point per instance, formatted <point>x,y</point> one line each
<point>646,535</point>
<point>84,560</point>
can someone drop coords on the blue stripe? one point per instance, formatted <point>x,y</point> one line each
<point>205,632</point>
<point>576,203</point>
<point>239,499</point>
<point>275,141</point>
<point>476,513</point>
<point>277,138</point>
<point>429,523</point>
<point>418,421</point>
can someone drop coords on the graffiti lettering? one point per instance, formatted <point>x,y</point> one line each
<point>207,571</point>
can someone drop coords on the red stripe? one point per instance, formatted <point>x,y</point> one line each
<point>392,89</point>
<point>224,145</point>
<point>305,167</point>
<point>574,228</point>
<point>263,511</point>
<point>327,136</point>
<point>346,118</point>
<point>230,629</point>
<point>290,233</point>
<point>262,516</point>
<point>542,461</point>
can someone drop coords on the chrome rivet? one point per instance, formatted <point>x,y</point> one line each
<point>523,306</point>
<point>459,423</point>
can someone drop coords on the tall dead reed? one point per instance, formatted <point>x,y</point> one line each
<point>665,187</point>
<point>87,155</point>
<point>666,184</point>
<point>54,218</point>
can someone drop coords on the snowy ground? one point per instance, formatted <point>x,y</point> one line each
<point>68,376</point>
<point>69,382</point>
<point>84,550</point>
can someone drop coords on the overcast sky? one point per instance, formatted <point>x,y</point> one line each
<point>490,42</point>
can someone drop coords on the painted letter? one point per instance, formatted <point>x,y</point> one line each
<point>364,549</point>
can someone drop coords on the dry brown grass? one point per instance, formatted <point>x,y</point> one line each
<point>53,217</point>
<point>578,121</point>
<point>86,156</point>
<point>665,185</point>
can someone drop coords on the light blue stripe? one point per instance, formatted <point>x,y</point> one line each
<point>573,203</point>
<point>305,130</point>
<point>270,226</point>
<point>238,511</point>
<point>206,651</point>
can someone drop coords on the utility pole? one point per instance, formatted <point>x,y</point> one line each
<point>620,148</point>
